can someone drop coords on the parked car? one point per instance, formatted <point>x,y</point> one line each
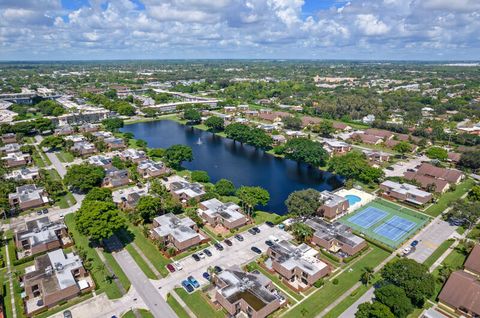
<point>177,265</point>
<point>193,281</point>
<point>239,237</point>
<point>217,269</point>
<point>218,246</point>
<point>39,212</point>
<point>188,287</point>
<point>256,229</point>
<point>407,250</point>
<point>269,243</point>
<point>207,252</point>
<point>196,257</point>
<point>206,276</point>
<point>67,314</point>
<point>256,250</point>
<point>228,242</point>
<point>45,211</point>
<point>414,243</point>
<point>390,168</point>
<point>270,224</point>
<point>252,231</point>
<point>201,255</point>
<point>171,268</point>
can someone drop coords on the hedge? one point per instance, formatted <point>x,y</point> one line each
<point>330,256</point>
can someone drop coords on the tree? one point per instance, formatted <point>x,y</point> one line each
<point>373,310</point>
<point>98,220</point>
<point>474,193</point>
<point>238,132</point>
<point>301,231</point>
<point>192,115</point>
<point>141,143</point>
<point>403,147</point>
<point>413,277</point>
<point>354,165</point>
<point>215,123</point>
<point>292,122</point>
<point>252,196</point>
<point>252,136</point>
<point>44,124</point>
<point>156,152</point>
<point>176,154</point>
<point>305,150</point>
<point>200,176</point>
<point>394,298</point>
<point>99,194</point>
<point>148,207</point>
<point>470,160</point>
<point>224,187</point>
<point>149,112</point>
<point>437,153</point>
<point>53,142</point>
<point>324,128</point>
<point>303,203</point>
<point>112,124</point>
<point>84,177</point>
<point>464,211</point>
<point>367,275</point>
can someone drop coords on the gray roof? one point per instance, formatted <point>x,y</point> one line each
<point>228,211</point>
<point>27,193</point>
<point>331,199</point>
<point>40,231</point>
<point>171,225</point>
<point>336,230</point>
<point>292,256</point>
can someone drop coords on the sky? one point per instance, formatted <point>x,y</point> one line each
<point>231,29</point>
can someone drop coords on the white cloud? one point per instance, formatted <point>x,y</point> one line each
<point>370,25</point>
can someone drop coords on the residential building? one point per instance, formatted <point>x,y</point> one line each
<point>297,265</point>
<point>102,135</point>
<point>182,189</point>
<point>369,119</point>
<point>17,159</point>
<point>28,197</point>
<point>252,294</point>
<point>376,157</point>
<point>83,148</point>
<point>454,157</point>
<point>9,138</point>
<point>10,148</point>
<point>64,130</point>
<point>405,192</point>
<point>367,139</point>
<point>115,178</point>
<point>151,169</point>
<point>339,126</point>
<point>41,235</point>
<point>180,233</point>
<point>131,200</point>
<point>336,147</point>
<point>88,128</point>
<point>333,205</point>
<point>114,143</point>
<point>26,174</point>
<point>279,139</point>
<point>428,183</point>
<point>228,215</point>
<point>335,237</point>
<point>55,277</point>
<point>431,176</point>
<point>381,133</point>
<point>133,155</point>
<point>472,264</point>
<point>101,161</point>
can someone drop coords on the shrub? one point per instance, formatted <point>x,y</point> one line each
<point>319,283</point>
<point>335,281</point>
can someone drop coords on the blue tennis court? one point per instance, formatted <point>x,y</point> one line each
<point>368,217</point>
<point>395,228</point>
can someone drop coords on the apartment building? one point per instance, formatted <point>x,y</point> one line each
<point>216,213</point>
<point>17,159</point>
<point>180,233</point>
<point>133,155</point>
<point>28,197</point>
<point>151,169</point>
<point>405,192</point>
<point>333,205</point>
<point>182,189</point>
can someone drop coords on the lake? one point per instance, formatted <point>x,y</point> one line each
<point>242,164</point>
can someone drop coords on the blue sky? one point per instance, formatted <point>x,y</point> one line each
<point>166,29</point>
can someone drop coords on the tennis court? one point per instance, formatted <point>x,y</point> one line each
<point>385,221</point>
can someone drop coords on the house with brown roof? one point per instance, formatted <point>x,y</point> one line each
<point>9,138</point>
<point>441,178</point>
<point>252,294</point>
<point>55,277</point>
<point>297,265</point>
<point>333,205</point>
<point>427,183</point>
<point>366,139</point>
<point>381,133</point>
<point>472,264</point>
<point>454,157</point>
<point>339,126</point>
<point>273,117</point>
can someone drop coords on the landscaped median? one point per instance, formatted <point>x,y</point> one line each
<point>177,308</point>
<point>199,305</point>
<point>320,299</point>
<point>438,252</point>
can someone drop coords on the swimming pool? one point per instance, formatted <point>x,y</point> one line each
<point>352,199</point>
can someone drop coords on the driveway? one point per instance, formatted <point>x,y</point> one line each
<point>402,166</point>
<point>438,232</point>
<point>146,290</point>
<point>237,254</point>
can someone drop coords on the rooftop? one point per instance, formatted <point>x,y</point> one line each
<point>331,199</point>
<point>39,231</point>
<point>228,211</point>
<point>301,256</point>
<point>336,230</point>
<point>405,188</point>
<point>171,225</point>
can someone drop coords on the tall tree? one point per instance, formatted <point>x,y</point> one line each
<point>252,196</point>
<point>301,231</point>
<point>98,220</point>
<point>303,203</point>
<point>177,154</point>
<point>394,298</point>
<point>373,310</point>
<point>84,177</point>
<point>215,123</point>
<point>224,187</point>
<point>307,151</point>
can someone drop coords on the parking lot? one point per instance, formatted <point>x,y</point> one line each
<point>237,254</point>
<point>430,239</point>
<point>401,167</point>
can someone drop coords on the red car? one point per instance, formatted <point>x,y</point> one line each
<point>171,268</point>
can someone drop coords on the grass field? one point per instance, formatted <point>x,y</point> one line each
<point>143,313</point>
<point>140,262</point>
<point>323,297</point>
<point>177,308</point>
<point>64,156</point>
<point>438,252</point>
<point>447,198</point>
<point>391,210</point>
<point>198,305</point>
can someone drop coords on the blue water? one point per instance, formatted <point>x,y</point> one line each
<point>242,164</point>
<point>352,199</point>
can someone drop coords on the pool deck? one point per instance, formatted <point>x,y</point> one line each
<point>365,197</point>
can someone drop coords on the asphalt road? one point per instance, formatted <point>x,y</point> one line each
<point>147,292</point>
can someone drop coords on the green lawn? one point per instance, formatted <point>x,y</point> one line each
<point>66,201</point>
<point>38,160</point>
<point>149,249</point>
<point>143,313</point>
<point>177,308</point>
<point>438,252</point>
<point>347,302</point>
<point>54,174</point>
<point>276,280</point>
<point>82,242</point>
<point>117,270</point>
<point>141,262</point>
<point>262,217</point>
<point>65,156</point>
<point>321,298</point>
<point>447,198</point>
<point>198,305</point>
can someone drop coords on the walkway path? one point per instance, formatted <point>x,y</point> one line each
<point>10,281</point>
<point>147,261</point>
<point>111,272</point>
<point>183,304</point>
<point>150,295</point>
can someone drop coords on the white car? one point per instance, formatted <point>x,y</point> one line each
<point>177,265</point>
<point>201,255</point>
<point>407,250</point>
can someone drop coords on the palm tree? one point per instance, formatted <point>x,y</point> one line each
<point>301,231</point>
<point>367,275</point>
